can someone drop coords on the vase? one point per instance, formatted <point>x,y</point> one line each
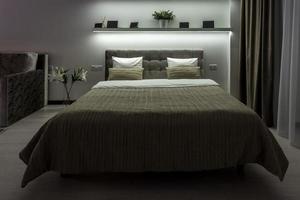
<point>68,100</point>
<point>163,23</point>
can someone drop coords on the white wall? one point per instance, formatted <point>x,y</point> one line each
<point>64,30</point>
<point>193,11</point>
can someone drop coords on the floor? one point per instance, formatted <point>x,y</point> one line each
<point>224,184</point>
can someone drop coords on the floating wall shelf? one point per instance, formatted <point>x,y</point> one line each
<point>162,30</point>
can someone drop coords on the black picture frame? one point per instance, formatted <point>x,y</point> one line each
<point>98,25</point>
<point>208,24</point>
<point>184,24</point>
<point>112,24</point>
<point>134,25</point>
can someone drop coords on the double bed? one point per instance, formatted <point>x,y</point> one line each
<point>154,125</point>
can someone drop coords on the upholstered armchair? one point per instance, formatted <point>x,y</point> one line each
<point>23,85</point>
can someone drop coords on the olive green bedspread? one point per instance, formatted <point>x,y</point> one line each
<point>152,129</point>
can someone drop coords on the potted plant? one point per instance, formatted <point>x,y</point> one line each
<point>163,17</point>
<point>61,75</point>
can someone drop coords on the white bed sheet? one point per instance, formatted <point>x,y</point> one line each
<point>160,83</point>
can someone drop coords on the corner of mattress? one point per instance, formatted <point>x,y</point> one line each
<point>23,157</point>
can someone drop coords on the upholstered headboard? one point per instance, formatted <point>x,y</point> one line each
<point>155,61</point>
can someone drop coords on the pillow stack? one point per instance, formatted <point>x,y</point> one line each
<point>126,69</point>
<point>132,68</point>
<point>183,68</point>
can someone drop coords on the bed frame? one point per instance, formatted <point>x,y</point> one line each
<point>152,58</point>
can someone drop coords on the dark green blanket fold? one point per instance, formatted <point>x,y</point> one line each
<point>152,129</point>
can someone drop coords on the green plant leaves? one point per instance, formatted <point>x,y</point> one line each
<point>163,14</point>
<point>61,75</point>
<point>79,75</point>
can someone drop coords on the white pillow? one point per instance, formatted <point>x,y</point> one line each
<point>177,62</point>
<point>127,62</point>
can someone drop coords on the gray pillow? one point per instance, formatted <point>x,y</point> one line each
<point>11,63</point>
<point>155,69</point>
<point>158,65</point>
<point>183,72</point>
<point>135,73</point>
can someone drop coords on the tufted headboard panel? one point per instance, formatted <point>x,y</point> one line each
<point>155,61</point>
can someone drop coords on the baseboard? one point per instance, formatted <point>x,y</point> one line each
<point>59,102</point>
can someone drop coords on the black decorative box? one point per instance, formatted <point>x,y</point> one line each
<point>208,24</point>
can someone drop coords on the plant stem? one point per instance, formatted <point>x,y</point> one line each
<point>67,93</point>
<point>70,89</point>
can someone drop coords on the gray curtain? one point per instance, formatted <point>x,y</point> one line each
<point>289,94</point>
<point>256,57</point>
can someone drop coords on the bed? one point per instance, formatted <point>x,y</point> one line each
<point>155,125</point>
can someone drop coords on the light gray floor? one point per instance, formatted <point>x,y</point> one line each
<point>258,183</point>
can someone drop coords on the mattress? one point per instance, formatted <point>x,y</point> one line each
<point>152,125</point>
